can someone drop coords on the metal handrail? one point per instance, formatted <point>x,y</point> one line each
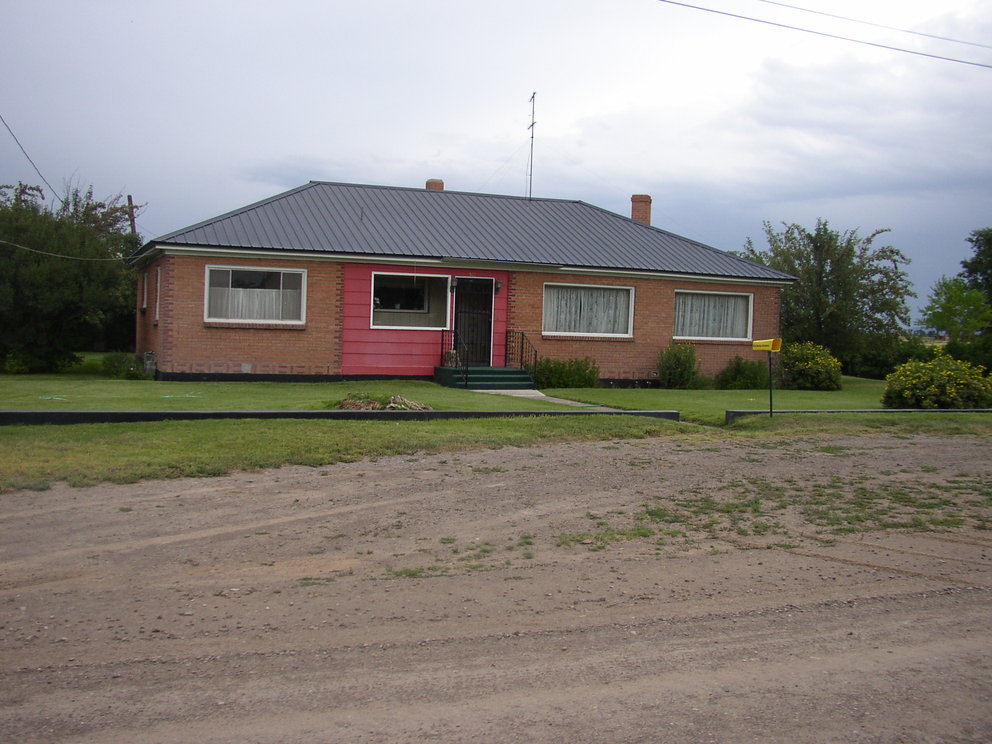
<point>520,352</point>
<point>450,342</point>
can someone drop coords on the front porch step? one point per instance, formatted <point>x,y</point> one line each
<point>484,378</point>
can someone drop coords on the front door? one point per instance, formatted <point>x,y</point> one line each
<point>474,320</point>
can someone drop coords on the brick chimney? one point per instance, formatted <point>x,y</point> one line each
<point>640,208</point>
<point>435,184</point>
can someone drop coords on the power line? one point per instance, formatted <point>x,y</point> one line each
<point>58,255</point>
<point>829,36</point>
<point>36,170</point>
<point>877,25</point>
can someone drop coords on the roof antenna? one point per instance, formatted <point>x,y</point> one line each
<point>530,161</point>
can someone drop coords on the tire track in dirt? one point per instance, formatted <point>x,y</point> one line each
<point>299,605</point>
<point>126,546</point>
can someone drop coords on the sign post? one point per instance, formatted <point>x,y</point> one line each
<point>770,345</point>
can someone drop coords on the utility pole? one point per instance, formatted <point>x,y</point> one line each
<point>130,215</point>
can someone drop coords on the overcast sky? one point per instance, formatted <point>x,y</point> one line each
<point>197,108</point>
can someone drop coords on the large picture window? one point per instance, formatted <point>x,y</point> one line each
<point>409,301</point>
<point>588,310</point>
<point>716,315</point>
<point>267,295</point>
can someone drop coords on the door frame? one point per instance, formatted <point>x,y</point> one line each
<point>457,282</point>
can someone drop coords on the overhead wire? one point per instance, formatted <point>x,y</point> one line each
<point>59,255</point>
<point>828,35</point>
<point>54,193</point>
<point>33,165</point>
<point>877,25</point>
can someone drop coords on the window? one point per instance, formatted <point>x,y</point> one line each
<point>266,295</point>
<point>588,310</point>
<point>158,290</point>
<point>713,315</point>
<point>144,291</point>
<point>409,301</point>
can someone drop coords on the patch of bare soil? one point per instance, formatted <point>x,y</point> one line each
<point>824,590</point>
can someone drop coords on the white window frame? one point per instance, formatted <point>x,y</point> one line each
<point>630,310</point>
<point>750,316</point>
<point>158,290</point>
<point>144,290</point>
<point>447,303</point>
<point>261,269</point>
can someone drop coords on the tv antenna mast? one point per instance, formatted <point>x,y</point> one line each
<point>530,160</point>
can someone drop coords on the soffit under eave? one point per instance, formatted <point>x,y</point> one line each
<point>214,251</point>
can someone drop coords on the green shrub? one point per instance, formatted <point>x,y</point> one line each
<point>740,374</point>
<point>122,366</point>
<point>565,373</point>
<point>884,353</point>
<point>24,362</point>
<point>944,382</point>
<point>16,364</point>
<point>977,351</point>
<point>678,367</point>
<point>808,366</point>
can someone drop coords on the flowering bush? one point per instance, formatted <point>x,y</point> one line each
<point>944,382</point>
<point>809,366</point>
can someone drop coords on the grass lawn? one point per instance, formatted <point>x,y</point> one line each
<point>708,406</point>
<point>90,392</point>
<point>77,392</point>
<point>38,456</point>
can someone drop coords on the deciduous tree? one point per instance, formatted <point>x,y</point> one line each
<point>850,292</point>
<point>977,270</point>
<point>956,309</point>
<point>62,274</point>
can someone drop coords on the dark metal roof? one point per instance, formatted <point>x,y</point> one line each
<point>340,218</point>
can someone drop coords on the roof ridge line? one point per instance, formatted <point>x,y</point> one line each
<point>387,187</point>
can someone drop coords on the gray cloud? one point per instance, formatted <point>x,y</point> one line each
<point>198,108</point>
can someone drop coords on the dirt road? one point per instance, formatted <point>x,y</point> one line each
<point>824,590</point>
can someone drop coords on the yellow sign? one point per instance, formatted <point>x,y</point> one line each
<point>768,344</point>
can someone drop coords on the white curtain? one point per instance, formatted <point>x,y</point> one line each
<point>700,315</point>
<point>569,309</point>
<point>255,304</point>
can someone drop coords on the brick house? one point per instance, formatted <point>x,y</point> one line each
<point>344,281</point>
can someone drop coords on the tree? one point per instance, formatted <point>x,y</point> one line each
<point>956,309</point>
<point>978,269</point>
<point>850,294</point>
<point>62,275</point>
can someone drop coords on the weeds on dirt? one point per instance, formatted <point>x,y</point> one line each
<point>466,557</point>
<point>418,573</point>
<point>604,536</point>
<point>758,513</point>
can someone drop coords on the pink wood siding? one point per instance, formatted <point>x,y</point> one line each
<point>389,351</point>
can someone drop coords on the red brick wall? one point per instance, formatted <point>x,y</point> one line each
<point>654,309</point>
<point>184,343</point>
